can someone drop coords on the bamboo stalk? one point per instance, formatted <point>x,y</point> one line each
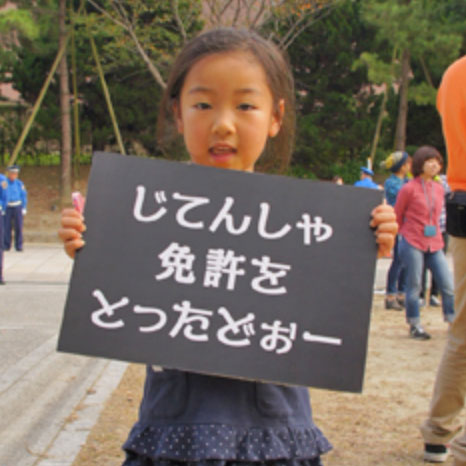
<point>37,104</point>
<point>76,127</point>
<point>107,95</point>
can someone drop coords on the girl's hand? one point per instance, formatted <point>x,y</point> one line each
<point>386,228</point>
<point>70,233</point>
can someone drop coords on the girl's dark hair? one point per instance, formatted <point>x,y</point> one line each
<point>421,155</point>
<point>277,71</point>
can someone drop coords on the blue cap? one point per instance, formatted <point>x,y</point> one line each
<point>367,171</point>
<point>13,168</point>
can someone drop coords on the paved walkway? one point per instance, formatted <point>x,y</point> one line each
<point>49,401</point>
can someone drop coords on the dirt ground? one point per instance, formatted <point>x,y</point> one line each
<point>377,427</point>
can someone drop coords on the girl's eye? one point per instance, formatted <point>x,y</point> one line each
<point>202,106</point>
<point>246,106</point>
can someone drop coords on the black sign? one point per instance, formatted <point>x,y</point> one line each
<point>222,272</point>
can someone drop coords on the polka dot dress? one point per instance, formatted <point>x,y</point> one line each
<point>135,460</point>
<point>212,441</point>
<point>262,424</point>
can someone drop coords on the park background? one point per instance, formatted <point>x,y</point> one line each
<point>85,75</point>
<point>366,77</point>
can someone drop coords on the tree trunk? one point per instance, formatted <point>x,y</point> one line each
<point>64,112</point>
<point>378,126</point>
<point>400,135</point>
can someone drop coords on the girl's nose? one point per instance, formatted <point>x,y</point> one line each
<point>223,123</point>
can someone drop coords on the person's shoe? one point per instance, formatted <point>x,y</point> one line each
<point>435,453</point>
<point>422,302</point>
<point>401,301</point>
<point>393,304</point>
<point>417,332</point>
<point>434,301</point>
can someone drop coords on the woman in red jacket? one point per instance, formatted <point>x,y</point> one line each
<point>418,209</point>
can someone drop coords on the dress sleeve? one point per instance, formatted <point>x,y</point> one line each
<point>401,203</point>
<point>390,191</point>
<point>24,196</point>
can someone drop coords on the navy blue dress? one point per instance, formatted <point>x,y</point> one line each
<point>189,418</point>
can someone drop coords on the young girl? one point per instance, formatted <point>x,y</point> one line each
<point>418,208</point>
<point>231,96</point>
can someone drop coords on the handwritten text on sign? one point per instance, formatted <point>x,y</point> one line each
<point>221,272</point>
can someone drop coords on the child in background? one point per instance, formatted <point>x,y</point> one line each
<point>231,96</point>
<point>399,163</point>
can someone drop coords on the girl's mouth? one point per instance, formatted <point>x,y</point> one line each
<point>220,152</point>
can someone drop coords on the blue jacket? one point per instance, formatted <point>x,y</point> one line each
<point>392,185</point>
<point>366,183</point>
<point>3,187</point>
<point>16,192</point>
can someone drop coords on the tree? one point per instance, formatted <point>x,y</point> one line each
<point>335,105</point>
<point>15,23</point>
<point>381,76</point>
<point>65,192</point>
<point>407,26</point>
<point>281,21</point>
<point>132,38</point>
<point>149,33</point>
<point>151,28</point>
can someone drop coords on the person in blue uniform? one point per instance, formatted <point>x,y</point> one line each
<point>16,205</point>
<point>3,186</point>
<point>366,179</point>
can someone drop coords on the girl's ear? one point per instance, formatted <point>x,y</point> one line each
<point>177,116</point>
<point>277,118</point>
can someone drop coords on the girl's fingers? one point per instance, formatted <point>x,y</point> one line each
<point>74,223</point>
<point>382,217</point>
<point>386,241</point>
<point>72,240</point>
<point>69,212</point>
<point>67,234</point>
<point>72,246</point>
<point>72,227</point>
<point>72,219</point>
<point>384,220</point>
<point>383,208</point>
<point>388,227</point>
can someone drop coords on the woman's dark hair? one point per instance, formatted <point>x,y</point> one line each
<point>421,155</point>
<point>268,55</point>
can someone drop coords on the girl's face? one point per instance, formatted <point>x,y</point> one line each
<point>431,167</point>
<point>226,111</point>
